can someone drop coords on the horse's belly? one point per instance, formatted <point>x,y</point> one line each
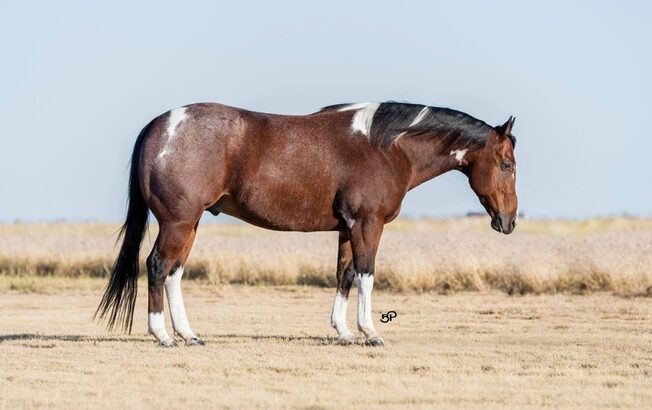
<point>280,212</point>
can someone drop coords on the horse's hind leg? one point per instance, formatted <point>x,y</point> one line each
<point>345,274</point>
<point>164,258</point>
<point>175,297</point>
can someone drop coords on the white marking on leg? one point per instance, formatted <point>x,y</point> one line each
<point>176,117</point>
<point>422,114</point>
<point>338,316</point>
<point>459,154</point>
<point>365,284</point>
<point>364,116</point>
<point>156,327</point>
<point>177,308</point>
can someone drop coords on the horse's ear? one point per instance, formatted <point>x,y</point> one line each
<point>506,129</point>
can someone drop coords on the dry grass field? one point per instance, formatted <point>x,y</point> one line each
<point>444,256</point>
<point>556,315</point>
<point>271,347</point>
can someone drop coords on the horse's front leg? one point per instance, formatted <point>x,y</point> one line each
<point>365,237</point>
<point>345,275</point>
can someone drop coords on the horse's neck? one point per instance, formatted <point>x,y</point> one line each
<point>427,159</point>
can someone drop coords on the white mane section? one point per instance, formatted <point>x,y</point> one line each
<point>422,114</point>
<point>364,116</point>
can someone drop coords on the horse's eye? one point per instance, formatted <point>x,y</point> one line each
<point>506,166</point>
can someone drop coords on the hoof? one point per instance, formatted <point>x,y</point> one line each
<point>347,339</point>
<point>167,343</point>
<point>375,341</point>
<point>195,341</point>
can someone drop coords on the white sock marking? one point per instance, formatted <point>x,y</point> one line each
<point>459,154</point>
<point>156,327</point>
<point>338,315</point>
<point>363,118</point>
<point>176,117</point>
<point>365,284</point>
<point>177,308</point>
<point>422,114</point>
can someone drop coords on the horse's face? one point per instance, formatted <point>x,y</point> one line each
<point>492,176</point>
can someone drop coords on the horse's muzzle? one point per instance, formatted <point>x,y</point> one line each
<point>503,224</point>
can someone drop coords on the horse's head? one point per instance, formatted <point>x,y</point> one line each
<point>492,176</point>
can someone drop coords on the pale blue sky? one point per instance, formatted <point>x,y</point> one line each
<point>78,80</point>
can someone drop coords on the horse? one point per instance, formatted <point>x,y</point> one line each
<point>344,168</point>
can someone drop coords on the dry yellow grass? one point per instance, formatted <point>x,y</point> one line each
<point>613,255</point>
<point>270,347</point>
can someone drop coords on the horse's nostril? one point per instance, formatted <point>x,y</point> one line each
<point>513,223</point>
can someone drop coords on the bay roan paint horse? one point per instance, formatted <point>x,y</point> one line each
<point>345,168</point>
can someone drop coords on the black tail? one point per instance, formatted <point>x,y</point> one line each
<point>120,295</point>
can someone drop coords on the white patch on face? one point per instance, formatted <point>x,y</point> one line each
<point>176,117</point>
<point>365,284</point>
<point>175,302</point>
<point>338,315</point>
<point>156,327</point>
<point>364,116</point>
<point>422,114</point>
<point>459,155</point>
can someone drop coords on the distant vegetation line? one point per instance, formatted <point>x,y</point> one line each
<point>434,255</point>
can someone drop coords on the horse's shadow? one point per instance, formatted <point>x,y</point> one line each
<point>69,338</point>
<point>215,338</point>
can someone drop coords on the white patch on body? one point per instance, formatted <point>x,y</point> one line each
<point>338,316</point>
<point>364,116</point>
<point>459,154</point>
<point>365,284</point>
<point>156,327</point>
<point>422,114</point>
<point>176,117</point>
<point>177,308</point>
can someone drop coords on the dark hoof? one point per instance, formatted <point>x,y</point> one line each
<point>375,341</point>
<point>346,339</point>
<point>167,343</point>
<point>195,341</point>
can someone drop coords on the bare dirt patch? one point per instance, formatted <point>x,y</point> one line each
<point>273,347</point>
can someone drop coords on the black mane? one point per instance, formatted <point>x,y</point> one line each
<point>392,120</point>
